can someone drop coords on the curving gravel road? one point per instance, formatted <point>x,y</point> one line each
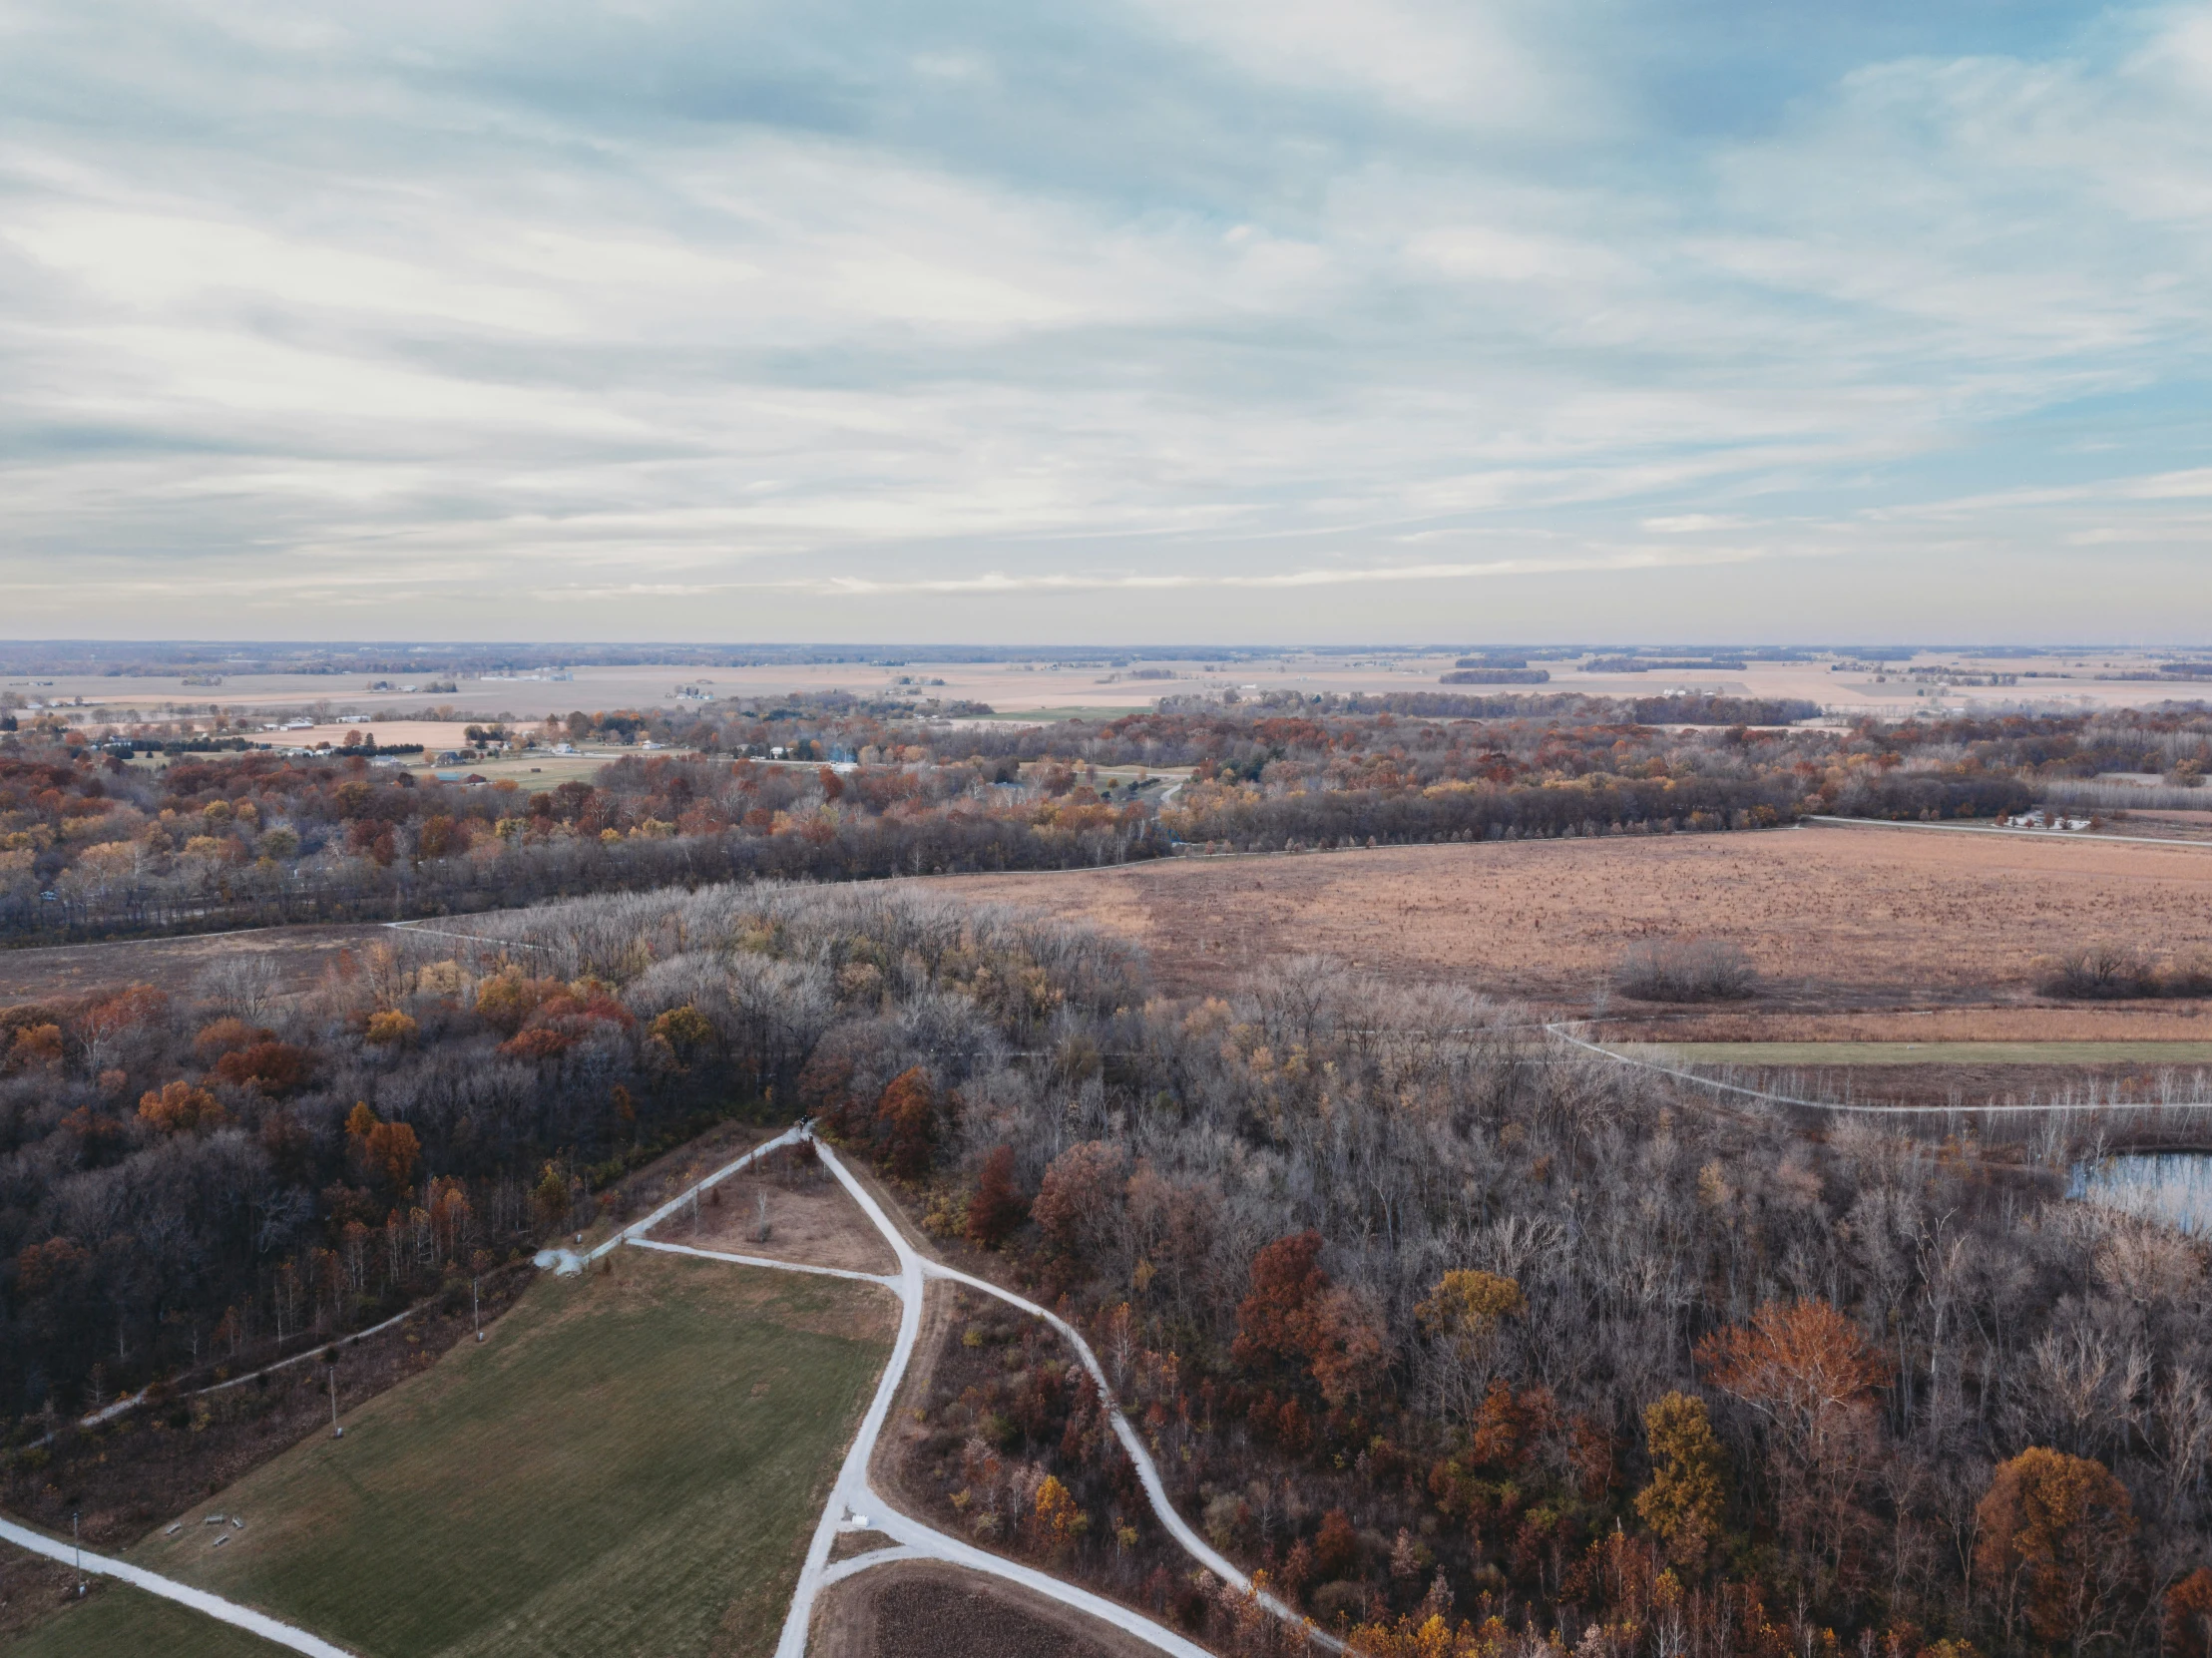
<point>851,1497</point>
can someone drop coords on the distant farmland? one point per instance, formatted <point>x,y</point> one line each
<point>1837,920</point>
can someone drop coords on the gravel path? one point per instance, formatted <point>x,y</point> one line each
<point>199,1600</point>
<point>854,1505</point>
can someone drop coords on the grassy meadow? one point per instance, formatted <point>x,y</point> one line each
<point>122,1622</point>
<point>631,1465</point>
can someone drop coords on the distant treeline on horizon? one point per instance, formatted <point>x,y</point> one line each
<point>122,658</point>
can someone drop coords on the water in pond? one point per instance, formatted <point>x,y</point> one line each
<point>2172,1186</point>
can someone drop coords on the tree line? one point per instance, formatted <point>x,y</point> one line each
<point>1459,1339</point>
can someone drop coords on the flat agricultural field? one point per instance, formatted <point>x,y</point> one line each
<point>631,1465</point>
<point>1837,920</point>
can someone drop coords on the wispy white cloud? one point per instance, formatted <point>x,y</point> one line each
<point>923,329</point>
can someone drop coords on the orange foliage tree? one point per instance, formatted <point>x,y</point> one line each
<point>2189,1615</point>
<point>393,1029</point>
<point>384,1150</point>
<point>906,1116</point>
<point>1077,1193</point>
<point>1809,1372</point>
<point>996,1208</point>
<point>178,1106</point>
<point>1293,1313</point>
<point>2056,1548</point>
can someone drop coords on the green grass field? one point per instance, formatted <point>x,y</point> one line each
<point>628,1466</point>
<point>123,1622</point>
<point>1811,1056</point>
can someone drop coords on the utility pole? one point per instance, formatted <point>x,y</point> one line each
<point>476,1308</point>
<point>336,1433</point>
<point>76,1542</point>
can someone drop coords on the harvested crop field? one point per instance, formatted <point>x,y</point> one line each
<point>926,1609</point>
<point>1836,919</point>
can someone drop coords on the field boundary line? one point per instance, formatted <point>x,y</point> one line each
<point>199,1600</point>
<point>473,938</point>
<point>2072,837</point>
<point>1564,1036</point>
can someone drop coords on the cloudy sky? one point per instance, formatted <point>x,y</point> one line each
<point>1233,320</point>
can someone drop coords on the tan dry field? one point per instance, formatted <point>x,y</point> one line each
<point>298,957</point>
<point>928,1609</point>
<point>1841,922</point>
<point>433,734</point>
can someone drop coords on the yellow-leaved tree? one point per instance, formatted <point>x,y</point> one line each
<point>1688,1493</point>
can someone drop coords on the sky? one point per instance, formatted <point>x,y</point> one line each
<point>1219,320</point>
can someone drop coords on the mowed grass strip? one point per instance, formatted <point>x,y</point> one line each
<point>631,1465</point>
<point>119,1621</point>
<point>1811,1056</point>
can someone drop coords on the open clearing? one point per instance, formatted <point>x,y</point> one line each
<point>118,1621</point>
<point>811,1219</point>
<point>925,1609</point>
<point>1836,919</point>
<point>297,956</point>
<point>631,1465</point>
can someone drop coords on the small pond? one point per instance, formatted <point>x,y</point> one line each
<point>2172,1186</point>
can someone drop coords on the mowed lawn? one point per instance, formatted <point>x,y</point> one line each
<point>123,1622</point>
<point>1810,1056</point>
<point>631,1465</point>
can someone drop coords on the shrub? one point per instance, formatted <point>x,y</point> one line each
<point>393,1028</point>
<point>997,1207</point>
<point>2110,972</point>
<point>276,1069</point>
<point>1687,970</point>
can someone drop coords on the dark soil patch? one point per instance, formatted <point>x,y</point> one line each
<point>924,1609</point>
